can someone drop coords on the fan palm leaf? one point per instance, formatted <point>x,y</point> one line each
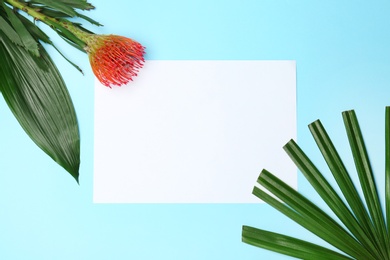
<point>364,232</point>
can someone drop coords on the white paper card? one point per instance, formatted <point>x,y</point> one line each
<point>194,131</point>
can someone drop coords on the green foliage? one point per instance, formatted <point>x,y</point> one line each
<point>364,233</point>
<point>10,32</point>
<point>62,5</point>
<point>31,83</point>
<point>36,94</point>
<point>52,13</point>
<point>27,40</point>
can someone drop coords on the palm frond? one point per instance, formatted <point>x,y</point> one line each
<point>364,234</point>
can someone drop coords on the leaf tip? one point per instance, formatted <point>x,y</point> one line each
<point>76,177</point>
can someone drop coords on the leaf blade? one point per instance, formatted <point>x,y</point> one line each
<point>345,183</point>
<point>308,215</point>
<point>59,6</point>
<point>28,41</point>
<point>329,195</point>
<point>288,245</point>
<point>10,32</point>
<point>366,176</point>
<point>36,94</point>
<point>387,167</point>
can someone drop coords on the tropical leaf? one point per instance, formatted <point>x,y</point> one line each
<point>36,94</point>
<point>28,41</point>
<point>307,214</point>
<point>59,6</point>
<point>10,32</point>
<point>288,245</point>
<point>366,176</point>
<point>67,35</point>
<point>344,181</point>
<point>92,21</point>
<point>53,13</point>
<point>78,4</point>
<point>39,35</point>
<point>75,4</point>
<point>387,169</point>
<point>62,8</point>
<point>364,235</point>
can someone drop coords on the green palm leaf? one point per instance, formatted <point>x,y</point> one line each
<point>28,41</point>
<point>364,235</point>
<point>36,94</point>
<point>288,245</point>
<point>387,169</point>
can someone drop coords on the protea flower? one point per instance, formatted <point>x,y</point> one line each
<point>114,59</point>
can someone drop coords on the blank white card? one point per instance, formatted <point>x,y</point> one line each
<point>194,131</point>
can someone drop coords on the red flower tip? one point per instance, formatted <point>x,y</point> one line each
<point>114,59</point>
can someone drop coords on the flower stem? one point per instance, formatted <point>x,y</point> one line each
<point>67,28</point>
<point>31,11</point>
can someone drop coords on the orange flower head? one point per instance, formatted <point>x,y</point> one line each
<point>114,59</point>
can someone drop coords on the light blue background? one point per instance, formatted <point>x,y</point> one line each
<point>342,49</point>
